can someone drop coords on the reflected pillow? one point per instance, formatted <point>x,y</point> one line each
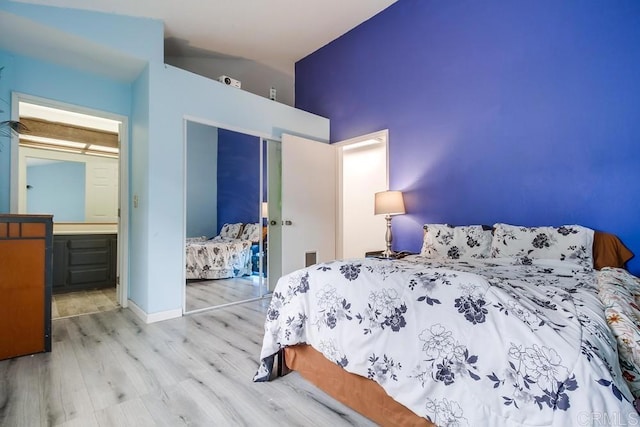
<point>570,243</point>
<point>199,239</point>
<point>462,242</point>
<point>251,232</point>
<point>230,231</point>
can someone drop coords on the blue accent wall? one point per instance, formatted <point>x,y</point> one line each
<point>238,177</point>
<point>498,111</point>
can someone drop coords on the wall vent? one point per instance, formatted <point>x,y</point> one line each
<point>310,258</point>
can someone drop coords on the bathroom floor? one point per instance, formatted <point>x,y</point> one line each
<point>83,302</point>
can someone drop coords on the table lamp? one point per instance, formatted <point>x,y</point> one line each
<point>389,203</point>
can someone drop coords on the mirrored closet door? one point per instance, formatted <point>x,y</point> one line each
<point>225,217</point>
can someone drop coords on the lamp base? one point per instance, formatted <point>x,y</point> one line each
<point>388,253</point>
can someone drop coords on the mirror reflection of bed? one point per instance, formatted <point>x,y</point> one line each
<point>225,235</point>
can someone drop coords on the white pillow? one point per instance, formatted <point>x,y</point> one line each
<point>230,231</point>
<point>462,242</point>
<point>570,243</point>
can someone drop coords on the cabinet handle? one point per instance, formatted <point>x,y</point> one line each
<point>287,222</point>
<point>273,222</point>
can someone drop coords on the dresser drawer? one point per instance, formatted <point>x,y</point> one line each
<point>88,275</point>
<point>84,243</point>
<point>88,257</point>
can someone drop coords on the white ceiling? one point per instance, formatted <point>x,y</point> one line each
<point>274,32</point>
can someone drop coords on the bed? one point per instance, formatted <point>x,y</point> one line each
<point>226,255</point>
<point>509,326</point>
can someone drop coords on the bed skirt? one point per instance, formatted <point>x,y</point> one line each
<point>361,394</point>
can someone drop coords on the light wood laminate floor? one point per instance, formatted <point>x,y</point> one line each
<point>111,369</point>
<point>199,295</point>
<point>211,293</point>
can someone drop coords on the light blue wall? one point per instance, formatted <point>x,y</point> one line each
<point>137,37</point>
<point>6,81</point>
<point>202,180</point>
<point>57,189</point>
<point>33,77</point>
<point>173,95</point>
<point>157,102</point>
<point>139,184</point>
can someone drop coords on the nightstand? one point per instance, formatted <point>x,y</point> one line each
<point>378,254</point>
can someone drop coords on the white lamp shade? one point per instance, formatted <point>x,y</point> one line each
<point>389,203</point>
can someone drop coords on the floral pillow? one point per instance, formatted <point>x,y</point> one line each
<point>446,241</point>
<point>251,232</point>
<point>230,231</point>
<point>570,243</point>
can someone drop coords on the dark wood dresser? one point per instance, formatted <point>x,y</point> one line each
<point>84,261</point>
<point>26,245</point>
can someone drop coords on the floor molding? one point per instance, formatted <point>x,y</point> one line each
<point>154,317</point>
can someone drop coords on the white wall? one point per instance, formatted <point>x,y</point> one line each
<point>363,174</point>
<point>256,77</point>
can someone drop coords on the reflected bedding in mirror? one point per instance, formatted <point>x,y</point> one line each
<point>222,257</point>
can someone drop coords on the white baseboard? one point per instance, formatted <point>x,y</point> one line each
<point>154,317</point>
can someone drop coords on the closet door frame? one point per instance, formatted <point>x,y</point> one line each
<point>237,129</point>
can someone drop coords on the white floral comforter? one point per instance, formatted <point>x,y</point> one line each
<point>481,342</point>
<point>218,259</point>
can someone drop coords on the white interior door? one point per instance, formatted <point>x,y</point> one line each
<point>101,193</point>
<point>308,202</point>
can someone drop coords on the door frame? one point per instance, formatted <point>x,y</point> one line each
<point>122,268</point>
<point>363,140</point>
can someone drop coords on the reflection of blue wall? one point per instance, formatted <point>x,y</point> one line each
<point>498,111</point>
<point>202,150</point>
<point>57,189</point>
<point>238,177</point>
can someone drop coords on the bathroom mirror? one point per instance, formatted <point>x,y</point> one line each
<point>68,166</point>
